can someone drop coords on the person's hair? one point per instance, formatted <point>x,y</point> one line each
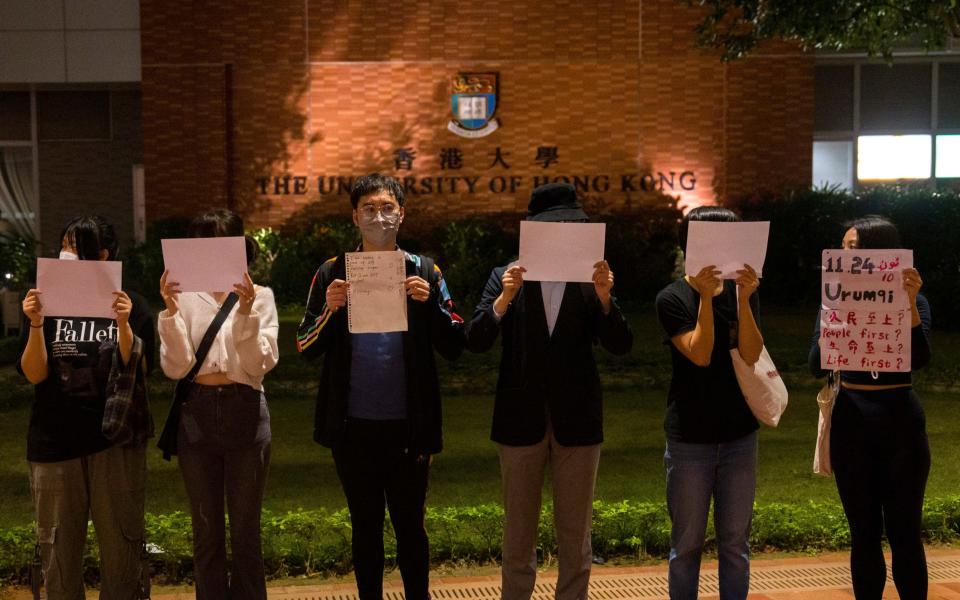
<point>223,222</point>
<point>874,231</point>
<point>373,183</point>
<point>91,234</point>
<point>704,213</point>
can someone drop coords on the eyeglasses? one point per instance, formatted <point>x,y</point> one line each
<point>387,210</point>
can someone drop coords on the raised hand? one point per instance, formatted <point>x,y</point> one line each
<point>417,288</point>
<point>170,292</point>
<point>337,294</point>
<point>122,305</point>
<point>706,281</point>
<point>747,282</point>
<point>247,293</point>
<point>32,307</point>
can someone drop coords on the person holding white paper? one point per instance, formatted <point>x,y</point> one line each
<point>75,471</point>
<point>378,405</point>
<point>878,444</point>
<point>223,434</point>
<point>711,446</point>
<point>548,411</point>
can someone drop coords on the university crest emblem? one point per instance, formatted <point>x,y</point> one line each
<point>473,98</point>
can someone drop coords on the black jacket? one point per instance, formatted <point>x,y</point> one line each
<point>431,324</point>
<point>541,374</point>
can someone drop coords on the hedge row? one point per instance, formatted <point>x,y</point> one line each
<point>804,223</point>
<point>641,246</point>
<point>318,542</point>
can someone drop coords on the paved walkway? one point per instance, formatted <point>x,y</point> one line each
<point>825,577</point>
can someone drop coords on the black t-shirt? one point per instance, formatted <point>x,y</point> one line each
<point>67,412</point>
<point>704,404</point>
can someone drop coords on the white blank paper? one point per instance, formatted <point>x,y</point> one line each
<point>213,264</point>
<point>78,288</point>
<point>728,246</point>
<point>376,298</point>
<point>560,251</point>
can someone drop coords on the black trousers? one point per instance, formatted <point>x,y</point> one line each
<point>881,459</point>
<point>377,471</point>
<point>224,452</point>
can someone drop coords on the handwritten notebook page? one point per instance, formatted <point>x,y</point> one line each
<point>376,299</point>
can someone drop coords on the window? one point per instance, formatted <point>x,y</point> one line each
<point>15,116</point>
<point>874,122</point>
<point>74,115</point>
<point>833,98</point>
<point>833,164</point>
<point>948,156</point>
<point>948,107</point>
<point>891,157</point>
<point>896,97</point>
<point>18,200</point>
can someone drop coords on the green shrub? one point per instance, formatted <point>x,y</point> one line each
<point>300,252</point>
<point>470,249</point>
<point>642,250</point>
<point>18,259</point>
<point>318,541</point>
<point>804,223</point>
<point>143,264</point>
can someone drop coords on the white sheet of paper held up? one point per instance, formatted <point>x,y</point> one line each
<point>376,298</point>
<point>78,288</point>
<point>213,264</point>
<point>560,251</point>
<point>728,246</point>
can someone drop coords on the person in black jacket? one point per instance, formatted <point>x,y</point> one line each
<point>548,407</point>
<point>378,406</point>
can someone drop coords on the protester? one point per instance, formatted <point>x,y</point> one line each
<point>76,472</point>
<point>711,433</point>
<point>223,433</point>
<point>548,409</point>
<point>878,444</point>
<point>378,405</point>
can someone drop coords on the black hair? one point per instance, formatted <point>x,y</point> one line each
<point>875,231</point>
<point>223,222</point>
<point>373,183</point>
<point>90,235</point>
<point>704,213</point>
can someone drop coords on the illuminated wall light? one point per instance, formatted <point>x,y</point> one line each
<point>948,156</point>
<point>891,157</point>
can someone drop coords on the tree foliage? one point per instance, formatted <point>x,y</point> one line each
<point>876,27</point>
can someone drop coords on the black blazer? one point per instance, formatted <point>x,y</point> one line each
<point>542,374</point>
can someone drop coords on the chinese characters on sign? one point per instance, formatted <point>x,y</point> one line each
<point>543,163</point>
<point>865,313</point>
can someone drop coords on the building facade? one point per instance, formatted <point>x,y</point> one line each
<point>273,108</point>
<point>159,108</point>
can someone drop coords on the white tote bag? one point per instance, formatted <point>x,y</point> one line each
<point>762,386</point>
<point>825,401</point>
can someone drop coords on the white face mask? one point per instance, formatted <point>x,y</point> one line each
<point>67,255</point>
<point>380,229</point>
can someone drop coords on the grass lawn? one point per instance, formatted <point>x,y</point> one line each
<point>467,472</point>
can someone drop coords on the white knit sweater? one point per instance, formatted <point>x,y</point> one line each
<point>245,348</point>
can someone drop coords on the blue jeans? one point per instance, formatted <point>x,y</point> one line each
<point>726,472</point>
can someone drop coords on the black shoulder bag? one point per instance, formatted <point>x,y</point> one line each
<point>168,438</point>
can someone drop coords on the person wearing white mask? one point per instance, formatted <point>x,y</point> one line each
<point>378,405</point>
<point>77,473</point>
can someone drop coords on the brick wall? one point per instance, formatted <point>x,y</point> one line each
<point>325,88</point>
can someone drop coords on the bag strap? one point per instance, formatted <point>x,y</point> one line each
<point>204,348</point>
